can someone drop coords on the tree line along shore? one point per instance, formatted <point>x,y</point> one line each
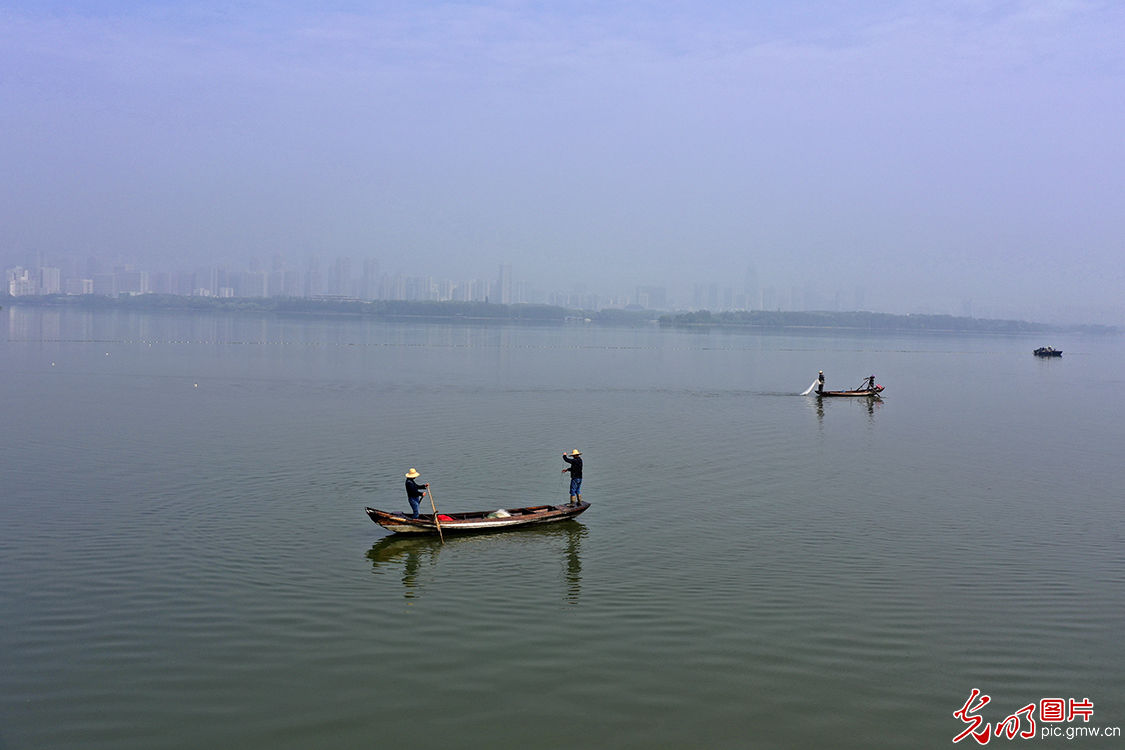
<point>486,311</point>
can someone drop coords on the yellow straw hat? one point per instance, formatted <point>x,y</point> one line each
<point>576,452</point>
<point>412,474</point>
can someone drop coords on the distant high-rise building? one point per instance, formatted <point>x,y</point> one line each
<point>394,288</point>
<point>160,282</point>
<point>313,284</point>
<point>21,283</point>
<point>290,283</point>
<point>342,277</point>
<point>253,284</point>
<point>275,283</point>
<point>79,286</point>
<point>105,284</point>
<point>753,294</point>
<point>470,291</point>
<point>132,282</point>
<point>206,282</point>
<point>183,283</point>
<point>50,281</point>
<point>652,297</point>
<point>769,298</point>
<point>504,285</point>
<point>418,288</point>
<point>369,286</point>
<point>706,296</point>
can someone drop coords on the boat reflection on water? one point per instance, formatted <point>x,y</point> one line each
<point>393,550</point>
<point>870,404</point>
<point>418,555</point>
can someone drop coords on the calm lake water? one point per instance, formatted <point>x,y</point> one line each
<point>185,561</point>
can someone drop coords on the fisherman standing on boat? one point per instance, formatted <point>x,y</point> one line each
<point>414,491</point>
<point>871,383</point>
<point>575,469</point>
<point>820,382</point>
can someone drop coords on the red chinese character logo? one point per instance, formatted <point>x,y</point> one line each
<point>1052,710</point>
<point>974,721</point>
<point>1083,708</point>
<point>1011,725</point>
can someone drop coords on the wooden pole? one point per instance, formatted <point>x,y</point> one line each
<point>437,523</point>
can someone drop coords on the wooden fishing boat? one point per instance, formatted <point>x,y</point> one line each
<point>1048,351</point>
<point>482,520</point>
<point>870,392</point>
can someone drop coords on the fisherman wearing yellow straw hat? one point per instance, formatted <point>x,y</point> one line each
<point>575,469</point>
<point>414,491</point>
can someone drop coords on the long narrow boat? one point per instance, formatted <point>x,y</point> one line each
<point>481,520</point>
<point>870,392</point>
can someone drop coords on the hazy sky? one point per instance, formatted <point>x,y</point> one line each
<point>928,152</point>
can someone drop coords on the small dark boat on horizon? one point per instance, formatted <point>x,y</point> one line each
<point>1048,351</point>
<point>481,520</point>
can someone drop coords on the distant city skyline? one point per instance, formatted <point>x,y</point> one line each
<point>938,156</point>
<point>364,279</point>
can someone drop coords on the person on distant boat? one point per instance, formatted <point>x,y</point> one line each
<point>870,383</point>
<point>414,491</point>
<point>820,382</point>
<point>575,469</point>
